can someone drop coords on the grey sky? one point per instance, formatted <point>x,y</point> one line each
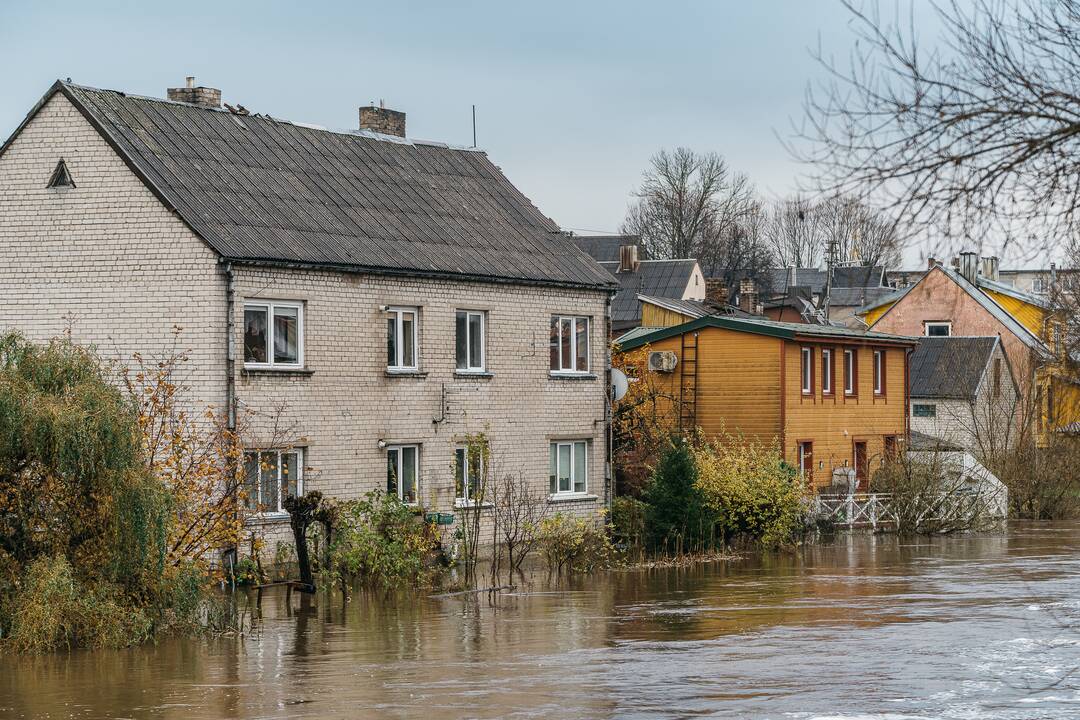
<point>572,97</point>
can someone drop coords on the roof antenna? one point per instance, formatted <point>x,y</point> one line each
<point>474,125</point>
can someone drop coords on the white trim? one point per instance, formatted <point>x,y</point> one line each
<point>270,307</point>
<point>398,313</point>
<point>826,371</point>
<point>807,356</point>
<point>879,372</point>
<point>482,367</point>
<point>927,324</point>
<point>850,372</point>
<point>465,500</point>
<point>278,511</point>
<point>397,469</point>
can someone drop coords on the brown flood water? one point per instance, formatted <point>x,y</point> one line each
<point>867,627</point>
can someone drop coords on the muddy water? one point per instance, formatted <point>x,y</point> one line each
<point>976,627</point>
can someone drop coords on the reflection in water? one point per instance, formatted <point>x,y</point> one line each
<point>868,627</point>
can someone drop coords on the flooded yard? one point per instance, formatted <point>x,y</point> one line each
<point>867,627</point>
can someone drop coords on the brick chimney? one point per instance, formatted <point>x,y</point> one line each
<point>196,95</point>
<point>628,259</point>
<point>716,291</point>
<point>381,120</point>
<point>748,296</point>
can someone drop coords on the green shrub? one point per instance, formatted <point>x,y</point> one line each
<point>749,489</point>
<point>380,541</point>
<point>628,521</point>
<point>677,518</point>
<point>575,544</point>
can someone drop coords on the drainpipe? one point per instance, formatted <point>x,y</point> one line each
<point>609,472</point>
<point>230,346</point>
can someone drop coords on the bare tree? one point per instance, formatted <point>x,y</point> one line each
<point>693,205</point>
<point>972,141</point>
<point>793,232</point>
<point>863,236</point>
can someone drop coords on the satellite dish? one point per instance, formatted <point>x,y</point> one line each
<point>619,384</point>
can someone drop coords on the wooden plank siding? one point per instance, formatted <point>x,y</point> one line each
<point>1031,316</point>
<point>654,316</point>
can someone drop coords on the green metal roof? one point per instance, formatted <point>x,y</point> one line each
<point>771,328</point>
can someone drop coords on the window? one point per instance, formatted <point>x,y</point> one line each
<point>470,341</point>
<point>401,339</point>
<point>937,329</point>
<point>851,369</point>
<point>807,371</point>
<point>879,372</point>
<point>270,476</point>
<point>924,410</point>
<point>273,334</point>
<point>806,461</point>
<point>826,371</point>
<point>997,378</point>
<point>468,472</point>
<point>570,344</point>
<point>569,463</point>
<point>401,471</point>
<point>1038,285</point>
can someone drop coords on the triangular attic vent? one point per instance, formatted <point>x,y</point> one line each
<point>61,177</point>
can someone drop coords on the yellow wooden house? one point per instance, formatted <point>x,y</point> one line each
<point>831,398</point>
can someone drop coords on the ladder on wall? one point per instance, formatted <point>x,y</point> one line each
<point>688,372</point>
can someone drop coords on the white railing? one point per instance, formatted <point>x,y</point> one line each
<point>873,509</point>
<point>853,510</point>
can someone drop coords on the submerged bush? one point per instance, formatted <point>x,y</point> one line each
<point>676,517</point>
<point>750,490</point>
<point>575,544</point>
<point>378,540</point>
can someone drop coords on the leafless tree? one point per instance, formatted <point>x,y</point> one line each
<point>793,231</point>
<point>862,235</point>
<point>519,508</point>
<point>976,140</point>
<point>693,205</point>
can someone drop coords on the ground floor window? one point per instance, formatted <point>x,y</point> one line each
<point>569,465</point>
<point>469,472</point>
<point>270,476</point>
<point>924,410</point>
<point>402,462</point>
<point>806,461</point>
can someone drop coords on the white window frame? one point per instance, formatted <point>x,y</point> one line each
<point>416,467</point>
<point>468,341</point>
<point>259,452</point>
<point>398,313</point>
<point>826,371</point>
<point>573,344</point>
<point>879,374</point>
<point>851,373</point>
<point>803,467</point>
<point>947,324</point>
<point>807,357</point>
<point>269,306</point>
<point>463,496</point>
<point>554,457</point>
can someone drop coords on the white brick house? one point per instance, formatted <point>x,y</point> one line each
<point>395,296</point>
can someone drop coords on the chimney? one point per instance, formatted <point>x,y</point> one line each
<point>931,262</point>
<point>969,266</point>
<point>716,291</point>
<point>628,259</point>
<point>381,120</point>
<point>748,296</point>
<point>196,95</point>
<point>992,270</point>
<point>792,276</point>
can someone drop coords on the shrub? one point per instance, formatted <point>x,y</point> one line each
<point>677,518</point>
<point>628,521</point>
<point>1043,482</point>
<point>378,540</point>
<point>749,489</point>
<point>927,496</point>
<point>575,544</point>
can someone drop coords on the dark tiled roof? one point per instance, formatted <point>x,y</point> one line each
<point>843,277</point>
<point>928,443</point>
<point>696,308</point>
<point>950,367</point>
<point>857,296</point>
<point>659,278</point>
<point>859,276</point>
<point>605,248</point>
<point>264,190</point>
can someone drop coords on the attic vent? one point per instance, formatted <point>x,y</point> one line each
<point>60,176</point>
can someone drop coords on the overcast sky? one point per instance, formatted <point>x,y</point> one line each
<point>572,97</point>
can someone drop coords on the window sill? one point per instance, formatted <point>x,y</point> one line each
<point>285,371</point>
<point>460,504</point>
<point>266,518</point>
<point>481,374</point>
<point>571,375</point>
<point>571,497</point>
<point>405,373</point>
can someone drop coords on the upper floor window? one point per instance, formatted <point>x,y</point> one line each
<point>807,371</point>
<point>270,476</point>
<point>402,470</point>
<point>826,371</point>
<point>569,344</point>
<point>401,336</point>
<point>273,334</point>
<point>851,369</point>
<point>937,329</point>
<point>924,410</point>
<point>469,342</point>
<point>879,372</point>
<point>1038,285</point>
<point>569,467</point>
